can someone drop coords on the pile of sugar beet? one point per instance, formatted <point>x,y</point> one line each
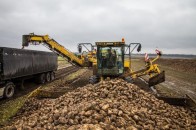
<point>110,105</point>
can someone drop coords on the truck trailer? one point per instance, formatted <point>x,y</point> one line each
<point>16,65</point>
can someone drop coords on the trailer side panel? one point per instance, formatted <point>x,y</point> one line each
<point>19,62</point>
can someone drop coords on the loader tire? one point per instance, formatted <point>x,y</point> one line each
<point>9,90</point>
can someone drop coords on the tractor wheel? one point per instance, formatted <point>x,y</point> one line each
<point>93,79</point>
<point>9,90</point>
<point>48,78</point>
<point>52,76</point>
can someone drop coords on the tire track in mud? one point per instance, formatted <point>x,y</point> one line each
<point>79,78</point>
<point>66,71</point>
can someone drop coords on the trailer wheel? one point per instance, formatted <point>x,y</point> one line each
<point>9,90</point>
<point>42,78</point>
<point>52,76</point>
<point>48,78</point>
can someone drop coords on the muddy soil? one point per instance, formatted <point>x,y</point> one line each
<point>65,84</point>
<point>185,65</point>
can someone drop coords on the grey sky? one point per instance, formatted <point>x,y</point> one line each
<point>169,25</point>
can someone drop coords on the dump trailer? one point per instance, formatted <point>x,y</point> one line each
<point>16,65</point>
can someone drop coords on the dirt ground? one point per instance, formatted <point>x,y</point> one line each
<point>180,76</point>
<point>182,65</point>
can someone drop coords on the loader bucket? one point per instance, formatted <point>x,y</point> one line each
<point>159,78</point>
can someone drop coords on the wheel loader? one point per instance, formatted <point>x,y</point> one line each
<point>110,59</point>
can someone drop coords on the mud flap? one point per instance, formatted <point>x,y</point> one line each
<point>1,91</point>
<point>159,78</point>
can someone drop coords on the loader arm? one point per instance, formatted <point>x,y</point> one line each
<point>156,76</point>
<point>53,46</point>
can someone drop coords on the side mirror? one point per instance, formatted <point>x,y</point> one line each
<point>79,48</point>
<point>139,48</point>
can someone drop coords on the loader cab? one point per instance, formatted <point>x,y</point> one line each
<point>110,58</point>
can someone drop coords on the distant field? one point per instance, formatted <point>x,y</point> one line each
<point>62,63</point>
<point>167,56</point>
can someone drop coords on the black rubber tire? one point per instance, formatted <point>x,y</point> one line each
<point>52,76</point>
<point>48,78</point>
<point>42,78</point>
<point>129,80</point>
<point>93,79</point>
<point>9,90</point>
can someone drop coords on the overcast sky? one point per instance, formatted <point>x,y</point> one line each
<point>169,25</point>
